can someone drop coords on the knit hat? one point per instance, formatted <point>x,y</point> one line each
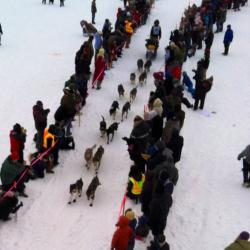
<point>244,236</point>
<point>130,214</point>
<point>39,103</point>
<point>17,128</point>
<point>158,75</point>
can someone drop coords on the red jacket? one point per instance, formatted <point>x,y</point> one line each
<point>100,66</point>
<point>16,141</point>
<point>122,235</point>
<point>176,72</point>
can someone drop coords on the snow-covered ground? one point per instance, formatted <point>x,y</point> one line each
<point>37,56</point>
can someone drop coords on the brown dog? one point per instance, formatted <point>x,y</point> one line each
<point>97,158</point>
<point>88,156</point>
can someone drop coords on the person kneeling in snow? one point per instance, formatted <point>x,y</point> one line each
<point>8,204</point>
<point>241,243</point>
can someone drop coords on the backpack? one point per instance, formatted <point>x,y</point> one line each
<point>207,85</point>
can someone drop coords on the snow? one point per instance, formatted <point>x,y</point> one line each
<point>36,58</point>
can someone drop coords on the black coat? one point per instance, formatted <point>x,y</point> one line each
<point>156,124</point>
<point>147,191</point>
<point>141,133</point>
<point>40,117</point>
<point>176,144</point>
<point>158,212</point>
<point>209,39</point>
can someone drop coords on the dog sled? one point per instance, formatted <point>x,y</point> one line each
<point>151,45</point>
<point>88,29</point>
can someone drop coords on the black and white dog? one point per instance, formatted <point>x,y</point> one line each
<point>75,190</point>
<point>103,127</point>
<point>113,108</point>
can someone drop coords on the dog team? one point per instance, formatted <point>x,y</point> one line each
<point>94,159</point>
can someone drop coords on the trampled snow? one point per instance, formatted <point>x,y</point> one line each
<point>36,58</point>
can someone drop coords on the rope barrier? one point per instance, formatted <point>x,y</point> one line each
<point>15,183</point>
<point>122,207</point>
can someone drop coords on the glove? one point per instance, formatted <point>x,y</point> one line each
<point>47,110</point>
<point>146,157</point>
<point>238,158</point>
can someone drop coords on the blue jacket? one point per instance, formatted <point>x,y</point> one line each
<point>228,38</point>
<point>98,41</point>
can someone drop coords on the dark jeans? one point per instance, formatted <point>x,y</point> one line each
<point>93,17</point>
<point>39,140</point>
<point>186,102</point>
<point>226,46</point>
<point>246,171</point>
<point>201,100</point>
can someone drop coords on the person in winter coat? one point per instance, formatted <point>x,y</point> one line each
<point>40,165</point>
<point>17,140</point>
<point>171,124</point>
<point>1,33</point>
<point>69,106</point>
<point>158,154</point>
<point>50,142</point>
<point>98,42</point>
<point>241,243</point>
<point>175,144</point>
<point>106,30</point>
<point>228,38</point>
<point>10,172</point>
<point>129,213</point>
<point>40,117</point>
<point>155,119</point>
<point>158,210</point>
<point>147,191</point>
<point>135,183</point>
<point>156,30</point>
<point>93,10</point>
<point>100,66</point>
<point>201,89</point>
<point>8,204</point>
<point>129,29</point>
<point>89,51</point>
<point>141,135</point>
<point>245,154</point>
<point>209,39</point>
<point>122,235</point>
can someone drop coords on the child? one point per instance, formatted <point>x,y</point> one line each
<point>132,223</point>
